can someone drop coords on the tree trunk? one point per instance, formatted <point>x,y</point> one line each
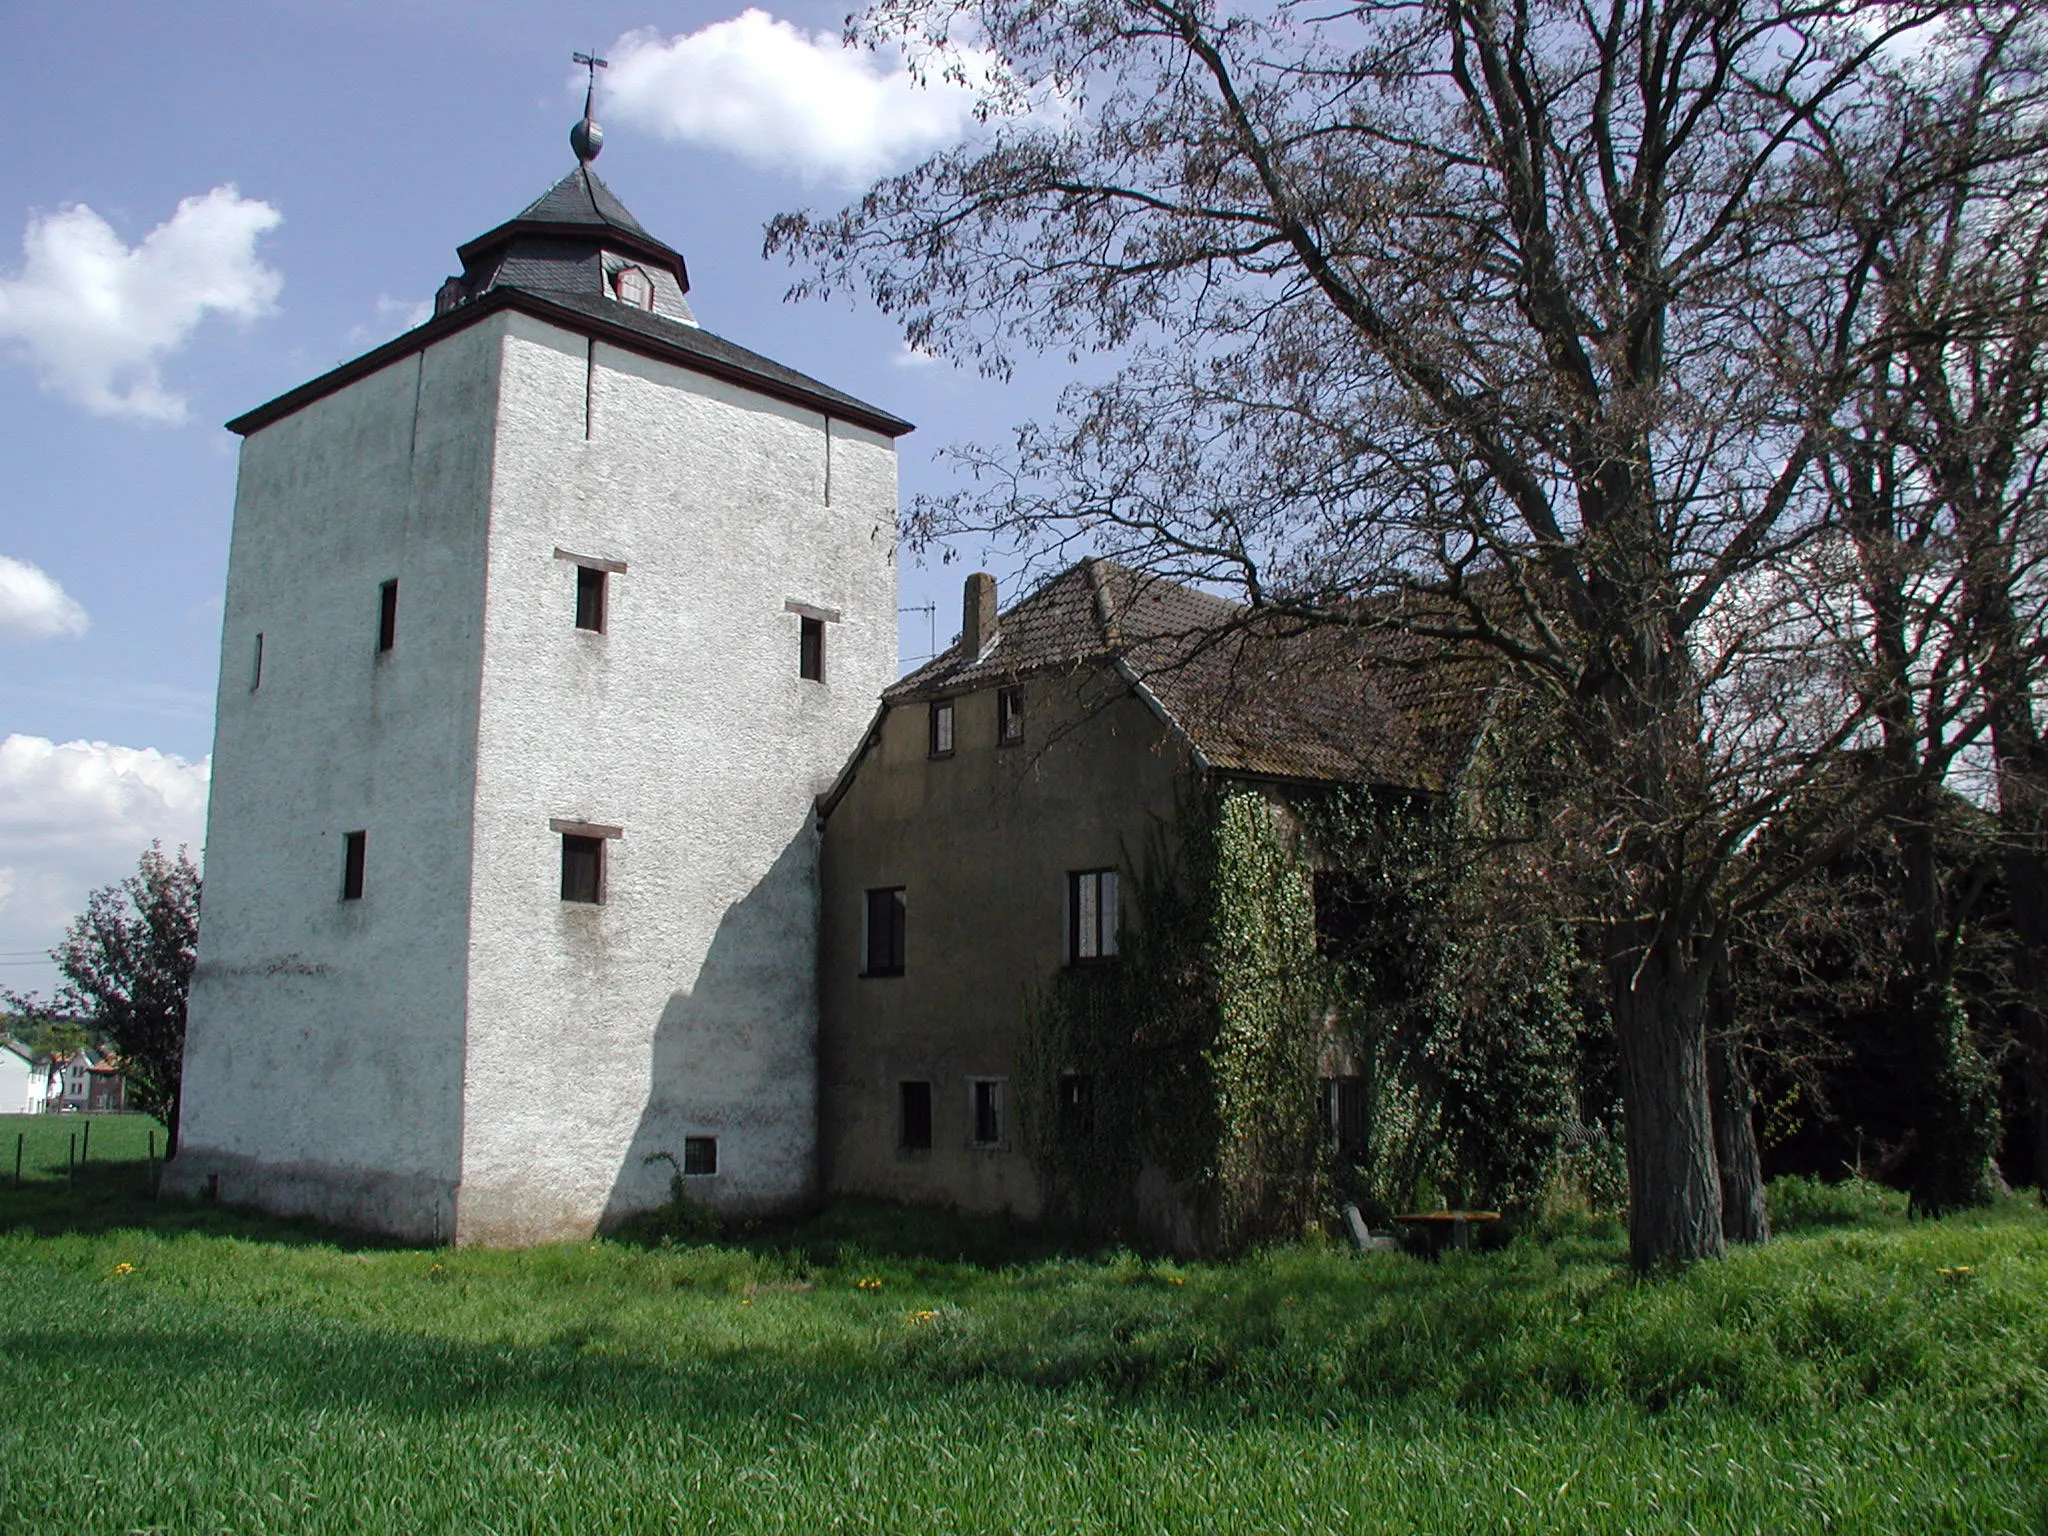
<point>1674,1186</point>
<point>1743,1218</point>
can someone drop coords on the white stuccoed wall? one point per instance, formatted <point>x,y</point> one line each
<point>323,1064</point>
<point>686,1004</point>
<point>461,1054</point>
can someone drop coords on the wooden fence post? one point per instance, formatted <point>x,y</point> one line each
<point>85,1147</point>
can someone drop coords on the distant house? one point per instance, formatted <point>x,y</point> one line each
<point>24,1080</point>
<point>983,837</point>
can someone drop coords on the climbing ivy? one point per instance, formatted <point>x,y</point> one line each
<point>1202,1046</point>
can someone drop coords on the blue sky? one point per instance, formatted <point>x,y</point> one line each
<point>206,204</point>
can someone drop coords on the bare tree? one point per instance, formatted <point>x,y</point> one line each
<point>1521,304</point>
<point>1937,474</point>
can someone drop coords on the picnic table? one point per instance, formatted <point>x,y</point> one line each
<point>1447,1228</point>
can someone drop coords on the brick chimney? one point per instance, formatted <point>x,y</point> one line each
<point>977,614</point>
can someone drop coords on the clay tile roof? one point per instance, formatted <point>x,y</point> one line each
<point>1254,694</point>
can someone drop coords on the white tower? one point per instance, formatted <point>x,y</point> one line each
<point>545,623</point>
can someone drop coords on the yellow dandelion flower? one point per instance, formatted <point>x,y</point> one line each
<point>124,1269</point>
<point>867,1283</point>
<point>922,1317</point>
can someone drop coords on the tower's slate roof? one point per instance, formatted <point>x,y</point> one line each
<point>582,198</point>
<point>1252,693</point>
<point>553,260</point>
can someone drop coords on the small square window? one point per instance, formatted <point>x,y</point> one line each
<point>810,649</point>
<point>882,938</point>
<point>590,585</point>
<point>700,1155</point>
<point>1091,916</point>
<point>942,728</point>
<point>354,854</point>
<point>914,1118</point>
<point>582,868</point>
<point>1009,716</point>
<point>985,1112</point>
<point>387,616</point>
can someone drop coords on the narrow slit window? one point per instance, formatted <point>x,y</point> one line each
<point>590,592</point>
<point>882,936</point>
<point>942,728</point>
<point>1091,916</point>
<point>1077,1106</point>
<point>1009,716</point>
<point>700,1155</point>
<point>256,666</point>
<point>387,616</point>
<point>582,868</point>
<point>810,649</point>
<point>354,855</point>
<point>914,1102</point>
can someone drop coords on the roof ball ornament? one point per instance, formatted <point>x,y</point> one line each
<point>587,138</point>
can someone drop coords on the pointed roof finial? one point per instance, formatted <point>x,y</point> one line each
<point>586,138</point>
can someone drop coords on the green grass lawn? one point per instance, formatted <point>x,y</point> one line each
<point>182,1368</point>
<point>48,1140</point>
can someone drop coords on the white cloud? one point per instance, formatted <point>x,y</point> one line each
<point>908,356</point>
<point>33,606</point>
<point>771,94</point>
<point>74,817</point>
<point>394,318</point>
<point>98,317</point>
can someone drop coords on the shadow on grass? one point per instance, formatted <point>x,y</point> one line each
<point>120,1197</point>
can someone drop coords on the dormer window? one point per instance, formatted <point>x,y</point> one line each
<point>633,286</point>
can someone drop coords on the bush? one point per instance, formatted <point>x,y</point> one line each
<point>1797,1201</point>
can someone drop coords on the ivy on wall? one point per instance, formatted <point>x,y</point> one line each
<point>1202,1048</point>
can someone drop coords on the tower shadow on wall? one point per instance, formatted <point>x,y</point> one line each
<point>735,1057</point>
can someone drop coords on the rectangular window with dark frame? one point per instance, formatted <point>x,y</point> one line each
<point>914,1117</point>
<point>1077,1106</point>
<point>582,868</point>
<point>1344,1117</point>
<point>387,616</point>
<point>700,1155</point>
<point>942,728</point>
<point>354,856</point>
<point>985,1112</point>
<point>1091,916</point>
<point>590,585</point>
<point>810,649</point>
<point>1009,716</point>
<point>882,933</point>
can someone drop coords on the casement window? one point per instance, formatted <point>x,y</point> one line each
<point>387,616</point>
<point>1009,716</point>
<point>1091,916</point>
<point>942,728</point>
<point>810,649</point>
<point>985,1112</point>
<point>354,854</point>
<point>633,286</point>
<point>1344,1117</point>
<point>593,588</point>
<point>882,932</point>
<point>914,1117</point>
<point>700,1155</point>
<point>1077,1106</point>
<point>584,859</point>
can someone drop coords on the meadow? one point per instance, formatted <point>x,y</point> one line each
<point>176,1367</point>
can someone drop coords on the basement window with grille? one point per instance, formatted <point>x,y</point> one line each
<point>700,1155</point>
